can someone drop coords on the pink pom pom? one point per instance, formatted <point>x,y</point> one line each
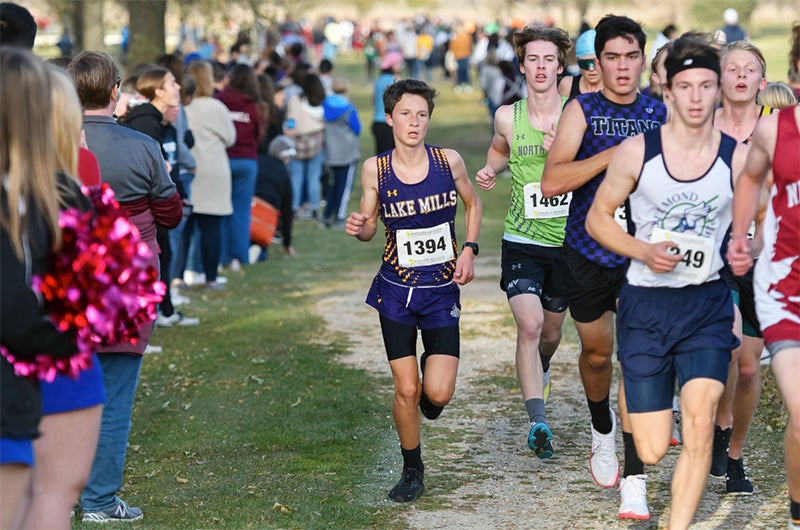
<point>100,283</point>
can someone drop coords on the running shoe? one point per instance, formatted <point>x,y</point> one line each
<point>410,486</point>
<point>738,483</point>
<point>176,318</point>
<point>429,410</point>
<point>719,454</point>
<point>121,512</point>
<point>633,498</point>
<point>604,464</point>
<point>540,440</point>
<point>546,393</point>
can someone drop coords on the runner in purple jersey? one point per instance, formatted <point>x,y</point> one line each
<point>414,189</point>
<point>591,127</point>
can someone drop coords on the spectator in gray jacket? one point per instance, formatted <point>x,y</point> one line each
<point>132,164</point>
<point>342,150</point>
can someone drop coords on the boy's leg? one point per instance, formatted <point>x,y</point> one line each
<point>407,388</point>
<point>439,366</point>
<point>699,398</point>
<point>400,342</point>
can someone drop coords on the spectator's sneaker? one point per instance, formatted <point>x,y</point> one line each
<point>153,349</point>
<point>738,483</point>
<point>176,318</point>
<point>719,454</point>
<point>410,486</point>
<point>191,278</point>
<point>540,440</point>
<point>119,513</point>
<point>546,393</point>
<point>604,464</point>
<point>215,286</point>
<point>633,498</point>
<point>676,428</point>
<point>253,253</point>
<point>178,299</point>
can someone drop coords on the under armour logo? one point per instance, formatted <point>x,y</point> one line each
<point>516,267</point>
<point>520,136</point>
<point>391,193</point>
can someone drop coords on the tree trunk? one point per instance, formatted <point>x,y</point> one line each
<point>92,29</point>
<point>147,31</point>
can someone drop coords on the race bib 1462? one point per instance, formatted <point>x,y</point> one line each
<point>537,206</point>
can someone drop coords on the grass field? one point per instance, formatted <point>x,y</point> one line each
<point>247,421</point>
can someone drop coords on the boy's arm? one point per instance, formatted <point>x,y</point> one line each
<point>747,192</point>
<point>620,181</point>
<point>465,271</point>
<point>499,150</point>
<point>364,224</point>
<point>562,173</point>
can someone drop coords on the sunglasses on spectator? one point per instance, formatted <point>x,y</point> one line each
<point>586,64</point>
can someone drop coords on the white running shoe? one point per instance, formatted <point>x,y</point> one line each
<point>633,498</point>
<point>604,464</point>
<point>191,277</point>
<point>178,299</point>
<point>176,318</point>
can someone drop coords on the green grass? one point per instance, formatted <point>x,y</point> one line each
<point>247,421</point>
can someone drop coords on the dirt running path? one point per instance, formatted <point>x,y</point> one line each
<point>480,442</point>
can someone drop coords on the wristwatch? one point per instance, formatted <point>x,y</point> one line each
<point>473,246</point>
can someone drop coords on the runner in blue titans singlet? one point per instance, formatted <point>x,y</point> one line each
<point>607,125</point>
<point>591,128</point>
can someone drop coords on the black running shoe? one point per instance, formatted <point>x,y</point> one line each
<point>410,486</point>
<point>429,410</point>
<point>719,455</point>
<point>738,483</point>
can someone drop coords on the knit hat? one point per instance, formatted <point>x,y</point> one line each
<point>584,46</point>
<point>282,147</point>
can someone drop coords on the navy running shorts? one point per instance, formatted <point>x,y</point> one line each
<point>664,333</point>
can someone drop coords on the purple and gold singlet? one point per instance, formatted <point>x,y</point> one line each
<point>419,223</point>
